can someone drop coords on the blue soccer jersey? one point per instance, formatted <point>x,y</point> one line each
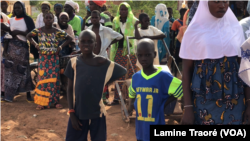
<point>151,93</point>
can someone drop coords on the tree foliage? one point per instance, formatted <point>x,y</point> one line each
<point>148,6</point>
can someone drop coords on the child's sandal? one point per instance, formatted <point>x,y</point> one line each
<point>59,106</point>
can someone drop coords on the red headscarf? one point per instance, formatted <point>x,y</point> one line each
<point>99,3</point>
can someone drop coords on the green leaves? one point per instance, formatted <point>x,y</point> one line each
<point>147,6</point>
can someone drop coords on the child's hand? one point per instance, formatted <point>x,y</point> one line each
<point>136,23</point>
<point>58,50</point>
<point>75,121</point>
<point>37,47</point>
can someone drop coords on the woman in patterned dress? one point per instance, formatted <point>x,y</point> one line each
<point>213,92</point>
<point>124,24</point>
<point>48,86</point>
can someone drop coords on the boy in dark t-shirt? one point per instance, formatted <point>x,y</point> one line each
<point>87,75</point>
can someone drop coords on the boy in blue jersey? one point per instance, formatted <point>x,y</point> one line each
<point>149,90</point>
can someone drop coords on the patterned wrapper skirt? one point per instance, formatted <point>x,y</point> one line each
<point>123,60</point>
<point>48,86</point>
<point>218,95</point>
<point>17,70</point>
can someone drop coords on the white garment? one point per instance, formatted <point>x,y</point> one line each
<point>73,4</point>
<point>244,69</point>
<point>107,35</point>
<point>245,24</point>
<point>208,37</point>
<point>161,15</point>
<point>39,20</point>
<point>18,24</point>
<point>151,31</point>
<point>123,27</point>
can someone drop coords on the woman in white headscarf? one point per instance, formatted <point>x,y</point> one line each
<point>160,21</point>
<point>213,92</point>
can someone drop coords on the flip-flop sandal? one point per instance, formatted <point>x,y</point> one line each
<point>30,100</point>
<point>40,107</point>
<point>59,107</point>
<point>2,101</point>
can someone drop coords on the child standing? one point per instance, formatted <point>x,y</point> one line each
<point>175,29</point>
<point>87,75</point>
<point>147,31</point>
<point>149,90</point>
<point>105,38</point>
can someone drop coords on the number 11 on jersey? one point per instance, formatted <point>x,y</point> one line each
<point>150,107</point>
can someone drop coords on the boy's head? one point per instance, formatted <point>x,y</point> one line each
<point>144,20</point>
<point>4,5</point>
<point>87,41</point>
<point>182,11</point>
<point>170,12</point>
<point>95,17</point>
<point>146,52</point>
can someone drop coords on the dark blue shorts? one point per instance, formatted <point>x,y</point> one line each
<point>97,128</point>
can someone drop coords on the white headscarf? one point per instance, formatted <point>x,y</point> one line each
<point>74,5</point>
<point>208,37</point>
<point>86,2</point>
<point>161,15</point>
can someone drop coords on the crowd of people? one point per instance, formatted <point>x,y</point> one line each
<point>210,38</point>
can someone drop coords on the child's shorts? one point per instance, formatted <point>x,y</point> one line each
<point>97,128</point>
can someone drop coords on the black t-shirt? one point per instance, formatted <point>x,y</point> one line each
<point>89,85</point>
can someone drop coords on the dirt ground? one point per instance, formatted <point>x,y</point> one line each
<point>20,121</point>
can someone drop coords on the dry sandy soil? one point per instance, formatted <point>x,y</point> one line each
<point>18,122</point>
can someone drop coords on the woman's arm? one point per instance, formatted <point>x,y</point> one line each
<point>18,32</point>
<point>68,40</point>
<point>188,65</point>
<point>31,40</point>
<point>157,37</point>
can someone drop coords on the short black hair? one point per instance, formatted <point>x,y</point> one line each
<point>169,8</point>
<point>142,15</point>
<point>96,12</point>
<point>183,10</point>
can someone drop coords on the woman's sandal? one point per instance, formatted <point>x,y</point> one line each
<point>39,107</point>
<point>58,106</point>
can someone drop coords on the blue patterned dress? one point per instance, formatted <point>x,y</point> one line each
<point>218,95</point>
